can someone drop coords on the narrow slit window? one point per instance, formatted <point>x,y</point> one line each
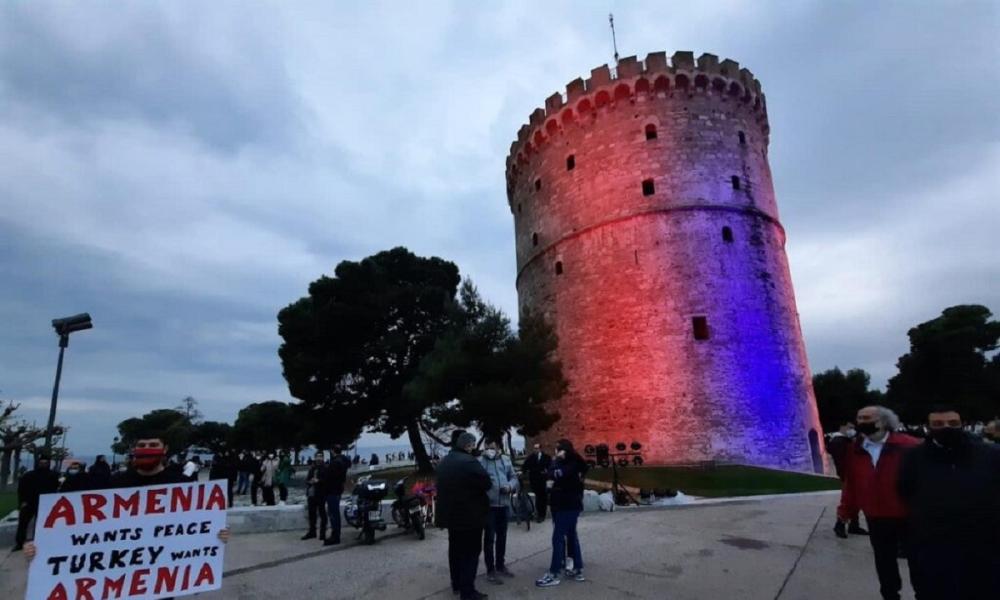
<point>538,184</point>
<point>727,234</point>
<point>534,239</point>
<point>559,267</point>
<point>735,179</point>
<point>699,326</point>
<point>650,132</point>
<point>570,162</point>
<point>648,189</point>
<point>743,139</point>
<point>518,208</point>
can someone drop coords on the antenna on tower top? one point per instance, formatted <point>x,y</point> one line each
<point>614,42</point>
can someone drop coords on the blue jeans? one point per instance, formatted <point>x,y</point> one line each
<point>495,539</point>
<point>242,482</point>
<point>333,512</point>
<point>564,530</point>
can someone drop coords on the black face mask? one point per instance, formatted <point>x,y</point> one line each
<point>866,428</point>
<point>949,437</point>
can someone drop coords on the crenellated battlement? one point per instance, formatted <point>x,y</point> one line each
<point>656,76</point>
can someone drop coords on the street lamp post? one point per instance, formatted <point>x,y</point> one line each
<point>63,327</point>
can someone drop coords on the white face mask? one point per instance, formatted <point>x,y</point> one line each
<point>491,453</point>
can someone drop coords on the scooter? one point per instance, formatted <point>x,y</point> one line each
<point>364,509</point>
<point>409,512</point>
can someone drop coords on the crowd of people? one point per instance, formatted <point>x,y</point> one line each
<point>934,502</point>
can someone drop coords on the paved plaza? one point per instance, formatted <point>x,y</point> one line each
<point>746,550</point>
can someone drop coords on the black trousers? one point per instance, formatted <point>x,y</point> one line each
<point>268,494</point>
<point>955,570</point>
<point>282,492</point>
<point>24,516</point>
<point>464,546</point>
<point>317,507</point>
<point>887,537</point>
<point>495,539</point>
<point>541,498</point>
<point>254,488</point>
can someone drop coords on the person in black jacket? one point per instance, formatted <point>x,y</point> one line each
<point>77,479</point>
<point>317,480</point>
<point>951,484</point>
<point>31,485</point>
<point>536,466</point>
<point>100,473</point>
<point>462,507</point>
<point>566,475</point>
<point>336,477</point>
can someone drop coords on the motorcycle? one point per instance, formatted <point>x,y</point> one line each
<point>409,512</point>
<point>364,509</point>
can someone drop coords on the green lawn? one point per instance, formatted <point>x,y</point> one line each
<point>719,481</point>
<point>8,502</point>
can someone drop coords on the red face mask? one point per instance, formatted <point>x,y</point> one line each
<point>147,458</point>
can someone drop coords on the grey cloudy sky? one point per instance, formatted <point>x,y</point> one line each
<point>183,170</point>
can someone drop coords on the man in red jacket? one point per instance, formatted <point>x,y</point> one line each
<point>871,466</point>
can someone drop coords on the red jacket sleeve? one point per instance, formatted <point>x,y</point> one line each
<point>847,510</point>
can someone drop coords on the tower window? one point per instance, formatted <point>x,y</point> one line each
<point>736,181</point>
<point>559,267</point>
<point>518,208</point>
<point>538,184</point>
<point>699,326</point>
<point>743,138</point>
<point>648,189</point>
<point>570,162</point>
<point>534,239</point>
<point>727,234</point>
<point>650,132</point>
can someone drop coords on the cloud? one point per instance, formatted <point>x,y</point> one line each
<point>183,170</point>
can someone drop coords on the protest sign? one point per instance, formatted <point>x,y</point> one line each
<point>138,543</point>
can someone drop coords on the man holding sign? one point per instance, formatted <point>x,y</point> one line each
<point>153,536</point>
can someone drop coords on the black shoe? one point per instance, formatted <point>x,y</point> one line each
<point>476,596</point>
<point>331,542</point>
<point>840,530</point>
<point>309,536</point>
<point>855,529</point>
<point>17,548</point>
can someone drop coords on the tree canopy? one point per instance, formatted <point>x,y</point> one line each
<point>839,395</point>
<point>949,362</point>
<point>354,342</point>
<point>267,426</point>
<point>481,374</point>
<point>173,426</point>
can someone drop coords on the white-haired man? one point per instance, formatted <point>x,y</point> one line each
<point>871,468</point>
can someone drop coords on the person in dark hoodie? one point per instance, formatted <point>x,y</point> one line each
<point>951,484</point>
<point>462,507</point>
<point>40,480</point>
<point>77,479</point>
<point>100,473</point>
<point>566,475</point>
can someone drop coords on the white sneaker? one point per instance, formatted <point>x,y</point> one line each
<point>547,580</point>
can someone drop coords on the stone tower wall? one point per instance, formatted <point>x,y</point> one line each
<point>622,270</point>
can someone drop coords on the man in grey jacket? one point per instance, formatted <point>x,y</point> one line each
<point>501,471</point>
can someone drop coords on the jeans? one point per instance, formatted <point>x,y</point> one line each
<point>333,510</point>
<point>495,539</point>
<point>463,559</point>
<point>242,482</point>
<point>316,508</point>
<point>564,530</point>
<point>887,535</point>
